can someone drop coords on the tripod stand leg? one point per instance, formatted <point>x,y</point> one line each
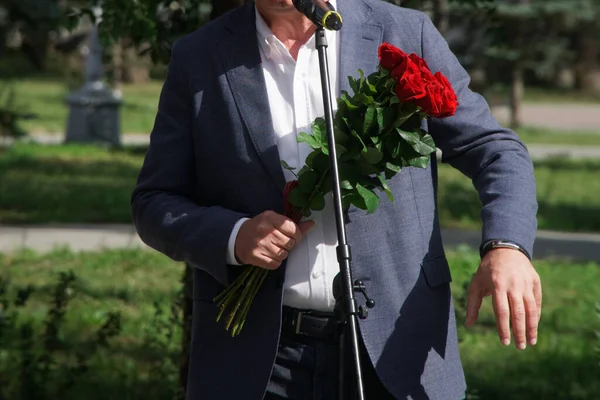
<point>341,364</point>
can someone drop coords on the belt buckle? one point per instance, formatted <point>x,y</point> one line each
<point>298,321</point>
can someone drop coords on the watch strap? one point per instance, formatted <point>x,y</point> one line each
<point>502,243</point>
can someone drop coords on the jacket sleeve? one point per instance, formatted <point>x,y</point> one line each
<point>166,202</point>
<point>493,157</point>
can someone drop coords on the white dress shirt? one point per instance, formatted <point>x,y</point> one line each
<point>295,99</point>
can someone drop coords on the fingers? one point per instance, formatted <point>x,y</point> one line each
<point>287,227</point>
<point>266,262</point>
<point>502,311</point>
<point>537,294</point>
<point>266,240</point>
<point>283,241</point>
<point>533,318</point>
<point>474,301</point>
<point>518,317</point>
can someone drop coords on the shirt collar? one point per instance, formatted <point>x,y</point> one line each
<point>266,39</point>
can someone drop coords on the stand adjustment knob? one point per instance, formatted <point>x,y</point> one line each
<point>363,313</point>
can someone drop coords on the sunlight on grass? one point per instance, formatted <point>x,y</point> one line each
<point>561,367</point>
<point>567,193</point>
<point>46,99</point>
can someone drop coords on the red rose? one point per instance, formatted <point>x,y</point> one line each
<point>390,56</point>
<point>431,102</point>
<point>291,211</point>
<point>410,85</point>
<point>426,74</point>
<point>449,99</point>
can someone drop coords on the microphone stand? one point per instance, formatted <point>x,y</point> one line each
<point>346,313</point>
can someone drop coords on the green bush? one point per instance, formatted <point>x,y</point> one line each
<point>11,113</point>
<point>36,361</point>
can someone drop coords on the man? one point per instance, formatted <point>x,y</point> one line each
<point>237,93</point>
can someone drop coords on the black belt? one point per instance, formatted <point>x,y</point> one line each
<point>307,323</point>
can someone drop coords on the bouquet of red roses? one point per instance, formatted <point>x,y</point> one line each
<point>378,131</point>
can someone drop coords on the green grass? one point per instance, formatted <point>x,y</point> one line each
<point>71,183</point>
<point>567,193</point>
<point>129,282</point>
<point>46,99</point>
<point>545,95</point>
<point>561,366</point>
<point>86,184</point>
<point>532,135</point>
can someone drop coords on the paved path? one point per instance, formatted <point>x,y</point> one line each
<point>566,117</point>
<point>97,237</point>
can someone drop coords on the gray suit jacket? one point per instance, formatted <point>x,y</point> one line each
<point>213,159</point>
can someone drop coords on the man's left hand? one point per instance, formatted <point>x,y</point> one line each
<point>509,277</point>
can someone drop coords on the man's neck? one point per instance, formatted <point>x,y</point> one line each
<point>292,29</point>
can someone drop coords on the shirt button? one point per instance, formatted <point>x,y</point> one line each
<point>316,274</point>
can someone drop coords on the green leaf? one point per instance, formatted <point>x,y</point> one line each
<point>287,166</point>
<point>419,162</point>
<point>326,184</point>
<point>340,149</point>
<point>348,101</point>
<point>317,203</point>
<point>370,198</point>
<point>318,161</point>
<point>298,198</point>
<point>370,121</point>
<point>393,167</point>
<point>386,117</point>
<point>365,99</point>
<point>308,181</point>
<point>386,188</point>
<point>344,184</point>
<point>319,130</point>
<point>414,140</point>
<point>427,139</point>
<point>354,84</point>
<point>372,155</point>
<point>310,140</point>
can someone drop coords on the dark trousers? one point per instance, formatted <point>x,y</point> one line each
<point>306,369</point>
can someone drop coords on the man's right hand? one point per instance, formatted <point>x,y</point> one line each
<point>265,240</point>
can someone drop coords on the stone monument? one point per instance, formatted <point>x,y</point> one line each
<point>94,108</point>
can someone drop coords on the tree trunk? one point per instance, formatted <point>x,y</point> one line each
<point>35,46</point>
<point>516,94</point>
<point>587,56</point>
<point>517,86</point>
<point>220,7</point>
<point>117,70</point>
<point>441,15</point>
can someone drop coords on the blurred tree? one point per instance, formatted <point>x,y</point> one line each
<point>35,20</point>
<point>538,37</point>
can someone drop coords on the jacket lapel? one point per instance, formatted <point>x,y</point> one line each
<point>359,42</point>
<point>241,60</point>
<point>242,63</point>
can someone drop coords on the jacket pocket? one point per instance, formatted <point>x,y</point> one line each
<point>436,271</point>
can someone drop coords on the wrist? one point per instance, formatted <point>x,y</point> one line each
<point>232,258</point>
<point>502,244</point>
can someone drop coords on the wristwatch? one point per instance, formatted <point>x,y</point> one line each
<point>501,243</point>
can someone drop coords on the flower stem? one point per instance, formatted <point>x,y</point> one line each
<point>233,287</point>
<point>243,297</point>
<point>241,316</point>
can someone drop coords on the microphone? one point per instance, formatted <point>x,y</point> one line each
<point>321,13</point>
